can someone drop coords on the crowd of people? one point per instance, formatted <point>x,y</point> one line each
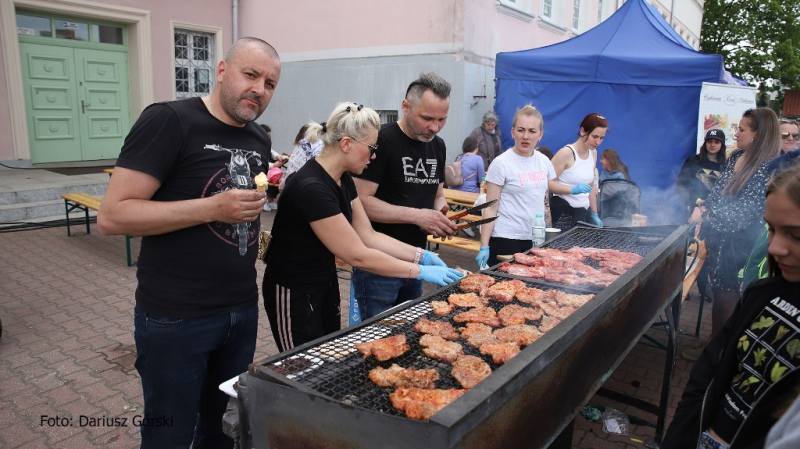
<point>183,181</point>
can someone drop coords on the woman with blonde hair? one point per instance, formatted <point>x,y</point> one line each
<point>519,178</point>
<point>320,217</point>
<point>733,214</point>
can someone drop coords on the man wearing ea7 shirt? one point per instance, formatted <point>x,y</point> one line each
<point>402,189</point>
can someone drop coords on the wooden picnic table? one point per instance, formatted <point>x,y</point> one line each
<point>459,198</point>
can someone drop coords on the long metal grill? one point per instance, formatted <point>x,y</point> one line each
<point>639,243</point>
<point>337,370</point>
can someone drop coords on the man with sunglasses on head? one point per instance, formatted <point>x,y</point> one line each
<point>402,189</point>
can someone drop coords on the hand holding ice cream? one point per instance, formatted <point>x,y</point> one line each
<point>261,182</point>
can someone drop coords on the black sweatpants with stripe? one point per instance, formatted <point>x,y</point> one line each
<point>301,313</point>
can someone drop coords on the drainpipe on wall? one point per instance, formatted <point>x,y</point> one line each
<point>235,19</point>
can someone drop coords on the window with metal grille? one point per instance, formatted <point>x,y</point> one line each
<point>576,13</point>
<point>194,64</point>
<point>547,8</point>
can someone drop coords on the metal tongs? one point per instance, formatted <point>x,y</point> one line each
<point>470,211</point>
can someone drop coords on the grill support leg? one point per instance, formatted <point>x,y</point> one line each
<point>673,313</point>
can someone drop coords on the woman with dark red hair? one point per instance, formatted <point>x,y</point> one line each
<point>575,167</point>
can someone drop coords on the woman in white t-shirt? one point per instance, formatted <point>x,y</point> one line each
<point>575,166</point>
<point>519,178</point>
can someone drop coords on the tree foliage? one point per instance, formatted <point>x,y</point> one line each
<point>759,40</point>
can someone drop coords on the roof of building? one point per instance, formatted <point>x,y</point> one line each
<point>791,103</point>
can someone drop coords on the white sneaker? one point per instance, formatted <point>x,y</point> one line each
<point>267,207</point>
<point>274,205</point>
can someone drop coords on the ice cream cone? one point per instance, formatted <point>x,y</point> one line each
<point>261,182</point>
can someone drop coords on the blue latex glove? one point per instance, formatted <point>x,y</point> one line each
<point>580,188</point>
<point>482,258</point>
<point>438,275</point>
<point>430,259</point>
<point>596,219</point>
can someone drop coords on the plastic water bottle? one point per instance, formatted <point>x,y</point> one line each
<point>537,231</point>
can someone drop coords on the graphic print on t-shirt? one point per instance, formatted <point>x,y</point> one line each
<point>237,177</point>
<point>419,171</point>
<point>535,177</point>
<point>767,350</point>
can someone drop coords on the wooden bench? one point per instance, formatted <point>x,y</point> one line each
<point>85,202</point>
<point>457,242</point>
<point>459,198</point>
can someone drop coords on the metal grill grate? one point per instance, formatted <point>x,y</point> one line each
<point>337,370</point>
<point>633,242</point>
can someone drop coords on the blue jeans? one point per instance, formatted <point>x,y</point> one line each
<point>376,294</point>
<point>181,363</point>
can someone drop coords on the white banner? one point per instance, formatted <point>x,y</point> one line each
<point>721,107</point>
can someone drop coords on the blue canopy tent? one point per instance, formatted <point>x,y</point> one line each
<point>634,70</point>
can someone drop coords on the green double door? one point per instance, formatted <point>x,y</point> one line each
<point>77,102</point>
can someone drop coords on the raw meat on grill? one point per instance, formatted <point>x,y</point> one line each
<point>485,315</point>
<point>475,283</point>
<point>441,308</point>
<point>549,253</point>
<point>548,322</point>
<point>570,299</point>
<point>554,309</point>
<point>568,267</point>
<point>468,370</point>
<point>516,314</point>
<point>504,291</point>
<point>437,347</point>
<point>478,340</point>
<point>532,295</point>
<point>441,328</point>
<point>385,348</point>
<point>562,275</point>
<point>472,329</point>
<point>420,403</point>
<point>609,255</point>
<point>478,334</point>
<point>467,300</point>
<point>522,270</point>
<point>500,352</point>
<point>521,334</point>
<point>396,376</point>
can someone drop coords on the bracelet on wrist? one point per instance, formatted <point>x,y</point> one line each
<point>410,268</point>
<point>417,255</point>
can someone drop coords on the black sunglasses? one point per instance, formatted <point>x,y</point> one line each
<point>796,136</point>
<point>372,148</point>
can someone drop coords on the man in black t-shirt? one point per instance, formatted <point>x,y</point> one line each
<point>402,189</point>
<point>184,181</point>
